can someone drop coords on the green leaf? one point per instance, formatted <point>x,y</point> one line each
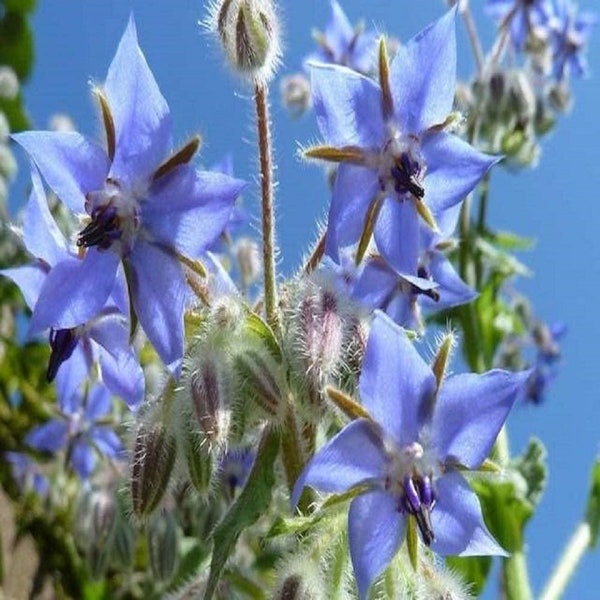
<point>509,241</point>
<point>292,525</point>
<point>251,504</point>
<point>19,6</point>
<point>191,556</point>
<point>532,466</point>
<point>15,113</point>
<point>592,511</point>
<point>474,570</point>
<point>258,327</point>
<point>16,44</point>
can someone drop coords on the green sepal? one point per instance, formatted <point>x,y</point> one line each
<point>251,504</point>
<point>256,326</point>
<point>592,511</point>
<point>412,541</point>
<point>472,569</point>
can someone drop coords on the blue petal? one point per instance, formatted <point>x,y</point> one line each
<point>41,234</point>
<point>71,164</point>
<point>470,411</point>
<point>354,189</point>
<point>423,76</point>
<point>30,279</point>
<point>457,521</point>
<point>74,291</point>
<point>159,293</point>
<point>98,403</point>
<point>124,377</point>
<point>49,437</point>
<point>376,285</point>
<point>454,168</point>
<point>69,378</point>
<point>394,380</point>
<point>355,455</point>
<point>452,289</point>
<point>403,310</point>
<point>107,441</point>
<point>83,459</point>
<point>140,113</point>
<point>339,31</point>
<point>376,530</point>
<point>397,234</point>
<point>190,209</point>
<point>348,107</point>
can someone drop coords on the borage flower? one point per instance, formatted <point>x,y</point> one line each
<point>570,40</point>
<point>103,339</point>
<point>408,454</point>
<point>146,206</point>
<point>417,277</point>
<point>81,427</point>
<point>523,17</point>
<point>391,141</point>
<point>342,44</point>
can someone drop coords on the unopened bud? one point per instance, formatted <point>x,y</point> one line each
<point>154,456</point>
<point>9,83</point>
<point>299,579</point>
<point>61,122</point>
<point>249,33</point>
<point>209,400</point>
<point>162,546</point>
<point>200,458</point>
<point>260,379</point>
<point>249,261</point>
<point>8,164</point>
<point>295,94</point>
<point>124,543</point>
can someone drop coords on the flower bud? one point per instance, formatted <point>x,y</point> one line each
<point>162,546</point>
<point>124,543</point>
<point>153,459</point>
<point>249,33</point>
<point>200,458</point>
<point>299,579</point>
<point>249,261</point>
<point>295,94</point>
<point>260,379</point>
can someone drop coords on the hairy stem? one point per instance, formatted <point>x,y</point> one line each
<point>465,11</point>
<point>267,217</point>
<point>568,563</point>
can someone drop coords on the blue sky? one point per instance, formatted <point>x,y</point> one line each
<point>555,203</point>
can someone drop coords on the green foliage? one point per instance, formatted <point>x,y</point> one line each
<point>16,44</point>
<point>19,6</point>
<point>474,569</point>
<point>253,501</point>
<point>592,512</point>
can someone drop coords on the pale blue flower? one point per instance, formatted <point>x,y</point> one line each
<point>147,206</point>
<point>410,454</point>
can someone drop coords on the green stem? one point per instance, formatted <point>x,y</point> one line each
<point>568,563</point>
<point>267,217</point>
<point>516,579</point>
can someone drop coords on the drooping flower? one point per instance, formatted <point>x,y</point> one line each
<point>80,429</point>
<point>420,276</point>
<point>523,17</point>
<point>391,140</point>
<point>570,38</point>
<point>147,207</point>
<point>104,338</point>
<point>421,430</point>
<point>343,44</point>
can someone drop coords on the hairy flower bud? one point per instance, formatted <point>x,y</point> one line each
<point>9,83</point>
<point>261,380</point>
<point>162,546</point>
<point>249,261</point>
<point>153,459</point>
<point>250,34</point>
<point>299,579</point>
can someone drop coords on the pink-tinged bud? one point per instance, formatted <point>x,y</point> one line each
<point>153,459</point>
<point>260,379</point>
<point>209,400</point>
<point>162,546</point>
<point>249,32</point>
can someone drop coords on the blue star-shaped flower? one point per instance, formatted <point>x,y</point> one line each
<point>522,16</point>
<point>81,428</point>
<point>343,44</point>
<point>391,140</point>
<point>420,276</point>
<point>147,207</point>
<point>27,473</point>
<point>408,453</point>
<point>570,39</point>
<point>104,338</point>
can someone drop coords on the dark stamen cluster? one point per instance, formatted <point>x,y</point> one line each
<point>406,173</point>
<point>418,500</point>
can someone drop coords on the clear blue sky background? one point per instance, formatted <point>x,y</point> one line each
<point>555,203</point>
